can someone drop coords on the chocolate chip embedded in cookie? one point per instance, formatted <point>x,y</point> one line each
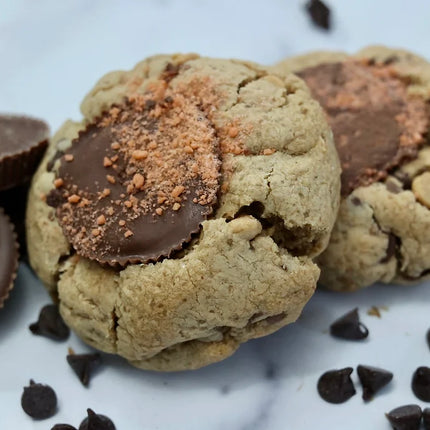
<point>8,257</point>
<point>377,103</point>
<point>161,221</point>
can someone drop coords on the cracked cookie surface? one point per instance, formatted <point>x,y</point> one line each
<point>382,233</point>
<point>250,270</point>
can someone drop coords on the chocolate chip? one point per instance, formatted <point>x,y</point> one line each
<point>406,417</point>
<point>356,201</point>
<point>50,324</point>
<point>63,427</point>
<point>319,13</point>
<point>96,422</point>
<point>39,401</point>
<point>54,198</point>
<point>349,327</point>
<point>274,319</point>
<point>391,249</point>
<point>372,379</point>
<point>426,418</point>
<point>83,364</point>
<point>421,383</point>
<point>335,386</point>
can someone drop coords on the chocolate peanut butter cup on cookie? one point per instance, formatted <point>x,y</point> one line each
<point>23,141</point>
<point>377,104</point>
<point>160,221</point>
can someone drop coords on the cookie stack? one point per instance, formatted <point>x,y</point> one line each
<point>188,210</point>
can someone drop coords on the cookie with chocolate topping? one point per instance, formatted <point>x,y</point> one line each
<point>181,217</point>
<point>377,103</point>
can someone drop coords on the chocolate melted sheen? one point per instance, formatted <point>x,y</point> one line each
<point>153,236</point>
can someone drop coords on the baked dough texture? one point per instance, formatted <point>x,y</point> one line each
<point>250,271</point>
<point>382,233</point>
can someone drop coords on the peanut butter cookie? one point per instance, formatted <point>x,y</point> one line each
<point>181,217</point>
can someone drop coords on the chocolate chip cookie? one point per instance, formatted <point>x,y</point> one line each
<point>377,103</point>
<point>181,216</point>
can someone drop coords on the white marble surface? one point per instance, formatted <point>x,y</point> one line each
<point>51,53</point>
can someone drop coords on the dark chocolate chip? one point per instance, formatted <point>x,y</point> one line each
<point>319,13</point>
<point>421,383</point>
<point>54,198</point>
<point>63,427</point>
<point>406,417</point>
<point>96,422</point>
<point>39,401</point>
<point>83,364</point>
<point>356,201</point>
<point>349,327</point>
<point>391,249</point>
<point>274,319</point>
<point>50,324</point>
<point>372,379</point>
<point>335,386</point>
<point>426,418</point>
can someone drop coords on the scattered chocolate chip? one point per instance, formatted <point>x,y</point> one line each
<point>50,324</point>
<point>83,364</point>
<point>349,327</point>
<point>319,13</point>
<point>406,417</point>
<point>426,418</point>
<point>96,422</point>
<point>39,401</point>
<point>335,386</point>
<point>372,380</point>
<point>63,427</point>
<point>421,383</point>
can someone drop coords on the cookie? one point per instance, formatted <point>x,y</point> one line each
<point>181,217</point>
<point>377,103</point>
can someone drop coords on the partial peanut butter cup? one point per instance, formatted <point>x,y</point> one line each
<point>8,257</point>
<point>139,181</point>
<point>23,141</point>
<point>376,124</point>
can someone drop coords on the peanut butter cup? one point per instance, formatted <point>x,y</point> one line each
<point>377,126</point>
<point>23,141</point>
<point>8,257</point>
<point>138,182</point>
